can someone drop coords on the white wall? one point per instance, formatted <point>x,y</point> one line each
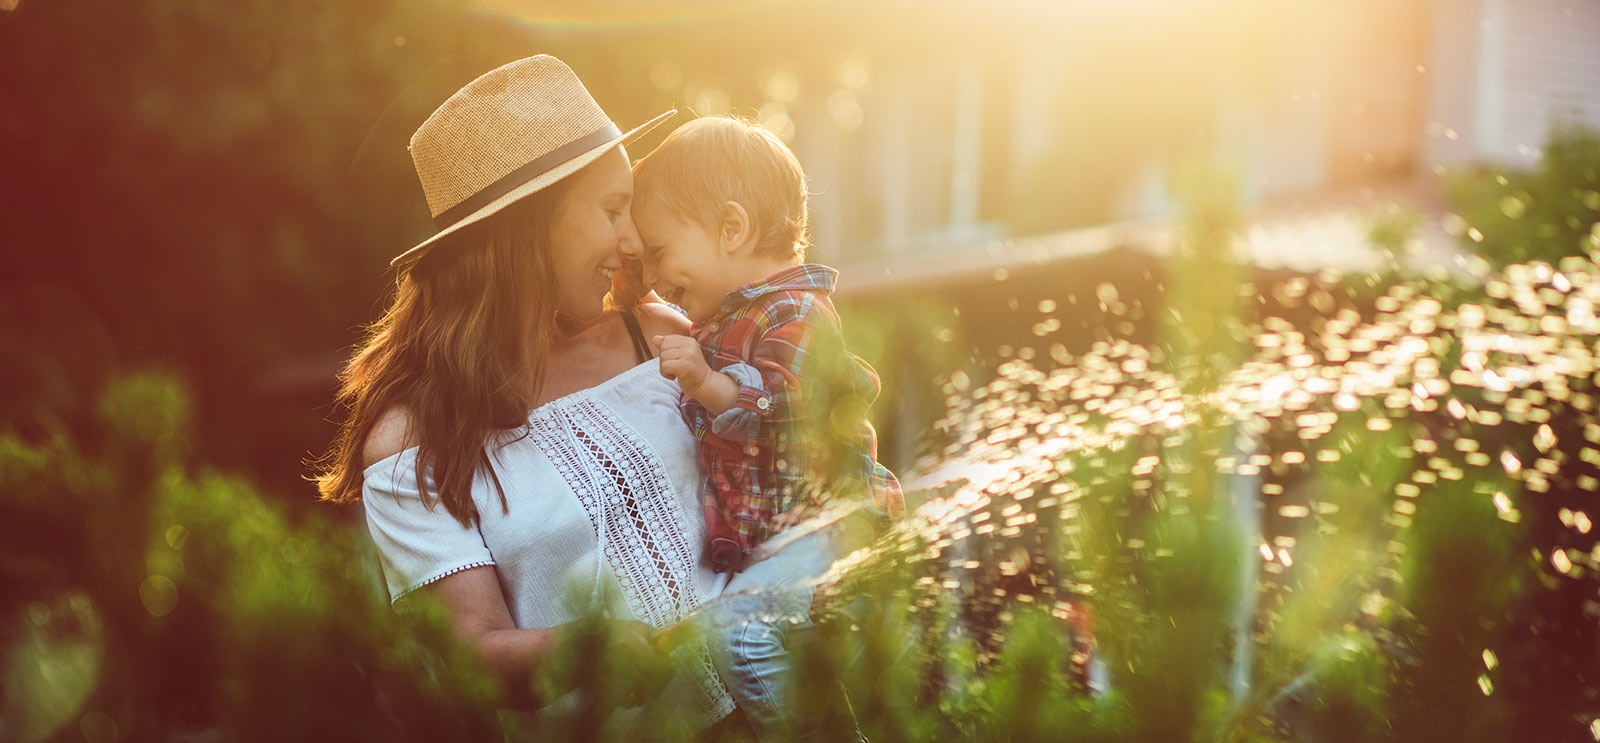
<point>1552,64</point>
<point>1502,70</point>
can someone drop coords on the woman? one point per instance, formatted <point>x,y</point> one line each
<point>502,386</point>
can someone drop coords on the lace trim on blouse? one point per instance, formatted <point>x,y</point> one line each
<point>443,574</point>
<point>629,499</point>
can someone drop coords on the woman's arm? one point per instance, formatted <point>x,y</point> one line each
<point>477,607</point>
<point>480,616</point>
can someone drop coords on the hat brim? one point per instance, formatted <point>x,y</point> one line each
<point>533,185</point>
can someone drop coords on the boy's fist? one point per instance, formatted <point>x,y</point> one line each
<point>682,359</point>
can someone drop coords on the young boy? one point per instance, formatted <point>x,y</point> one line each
<point>776,402</point>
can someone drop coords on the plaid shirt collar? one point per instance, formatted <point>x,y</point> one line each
<point>807,277</point>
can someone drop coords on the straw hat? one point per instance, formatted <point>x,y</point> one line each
<point>509,133</point>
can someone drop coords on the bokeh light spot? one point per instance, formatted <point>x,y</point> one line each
<point>159,595</point>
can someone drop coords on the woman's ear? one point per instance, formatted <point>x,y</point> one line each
<point>737,232</point>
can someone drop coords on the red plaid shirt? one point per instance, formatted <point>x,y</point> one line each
<point>797,433</point>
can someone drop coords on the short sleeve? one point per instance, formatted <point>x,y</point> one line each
<point>417,545</point>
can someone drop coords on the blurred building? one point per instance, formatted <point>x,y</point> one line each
<point>946,160</point>
<point>1507,71</point>
<point>984,168</point>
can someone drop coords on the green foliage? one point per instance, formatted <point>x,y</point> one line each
<point>152,602</point>
<point>1540,215</point>
<point>1431,575</point>
<point>1459,582</point>
<point>161,603</point>
<point>1391,230</point>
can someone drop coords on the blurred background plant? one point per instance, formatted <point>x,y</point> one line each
<point>1544,214</point>
<point>1269,361</point>
<point>148,601</point>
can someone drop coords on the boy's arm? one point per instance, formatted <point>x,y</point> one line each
<point>742,396</point>
<point>774,382</point>
<point>717,392</point>
<point>682,360</point>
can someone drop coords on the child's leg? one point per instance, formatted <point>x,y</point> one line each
<point>754,658</point>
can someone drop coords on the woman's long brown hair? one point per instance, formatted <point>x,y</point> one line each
<point>461,350</point>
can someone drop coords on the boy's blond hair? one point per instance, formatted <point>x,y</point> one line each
<point>716,159</point>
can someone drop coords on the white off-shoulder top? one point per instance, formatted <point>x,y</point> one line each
<point>608,472</point>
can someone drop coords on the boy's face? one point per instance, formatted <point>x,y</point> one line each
<point>684,262</point>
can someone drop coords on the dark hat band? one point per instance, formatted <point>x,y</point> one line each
<point>535,168</point>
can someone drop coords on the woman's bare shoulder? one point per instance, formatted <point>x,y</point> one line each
<point>390,436</point>
<point>656,318</point>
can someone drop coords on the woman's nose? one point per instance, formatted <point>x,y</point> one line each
<point>629,243</point>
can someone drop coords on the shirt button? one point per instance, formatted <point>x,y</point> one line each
<point>763,403</point>
<point>716,326</point>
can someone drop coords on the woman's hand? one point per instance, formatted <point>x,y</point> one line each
<point>642,671</point>
<point>613,660</point>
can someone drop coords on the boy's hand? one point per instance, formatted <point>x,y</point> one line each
<point>682,360</point>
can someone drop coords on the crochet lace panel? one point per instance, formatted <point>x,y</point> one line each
<point>625,490</point>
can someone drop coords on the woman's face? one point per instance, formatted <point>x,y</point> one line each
<point>590,232</point>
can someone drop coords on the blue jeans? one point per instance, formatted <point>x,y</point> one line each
<point>753,658</point>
